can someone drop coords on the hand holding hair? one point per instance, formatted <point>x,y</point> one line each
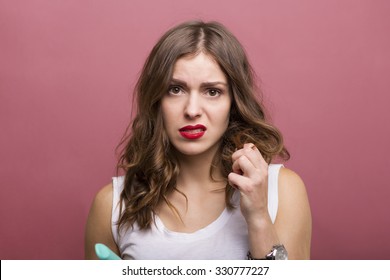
<point>250,177</point>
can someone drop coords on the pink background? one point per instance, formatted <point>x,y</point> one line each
<point>66,73</point>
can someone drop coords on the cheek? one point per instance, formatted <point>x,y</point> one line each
<point>221,118</point>
<point>227,120</point>
<point>227,116</point>
<point>224,113</point>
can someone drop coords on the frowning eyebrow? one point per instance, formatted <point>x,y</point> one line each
<point>205,84</point>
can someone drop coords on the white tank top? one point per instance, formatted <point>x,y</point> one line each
<point>225,238</point>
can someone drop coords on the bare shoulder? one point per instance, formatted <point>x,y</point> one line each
<point>292,192</point>
<point>293,221</point>
<point>102,204</point>
<point>103,197</point>
<point>98,227</point>
<point>291,185</point>
<point>289,177</point>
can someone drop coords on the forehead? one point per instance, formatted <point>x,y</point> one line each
<point>198,67</point>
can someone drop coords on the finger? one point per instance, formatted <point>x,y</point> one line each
<point>243,166</point>
<point>239,182</point>
<point>252,153</point>
<point>246,148</point>
<point>238,153</point>
<point>249,146</point>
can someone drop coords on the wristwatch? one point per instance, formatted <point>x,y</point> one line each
<point>278,252</point>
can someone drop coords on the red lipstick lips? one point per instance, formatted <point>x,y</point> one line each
<point>192,131</point>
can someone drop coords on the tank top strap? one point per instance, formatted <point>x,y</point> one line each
<point>117,187</point>
<point>273,199</point>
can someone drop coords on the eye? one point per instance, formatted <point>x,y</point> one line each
<point>175,90</point>
<point>213,92</point>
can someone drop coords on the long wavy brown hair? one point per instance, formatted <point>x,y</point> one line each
<point>150,165</point>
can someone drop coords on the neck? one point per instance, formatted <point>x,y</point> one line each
<point>195,173</point>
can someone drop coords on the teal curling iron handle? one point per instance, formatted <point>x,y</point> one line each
<point>105,253</point>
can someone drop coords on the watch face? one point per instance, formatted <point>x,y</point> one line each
<point>280,253</point>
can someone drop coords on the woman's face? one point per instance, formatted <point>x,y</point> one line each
<point>196,108</point>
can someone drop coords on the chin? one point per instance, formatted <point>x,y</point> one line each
<point>190,152</point>
<point>190,149</point>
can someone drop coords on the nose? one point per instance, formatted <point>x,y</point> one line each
<point>193,108</point>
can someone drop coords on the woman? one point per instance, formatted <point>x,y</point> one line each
<point>199,183</point>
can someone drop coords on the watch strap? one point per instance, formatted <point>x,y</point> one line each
<point>271,255</point>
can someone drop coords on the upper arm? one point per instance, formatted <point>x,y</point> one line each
<point>293,221</point>
<point>98,228</point>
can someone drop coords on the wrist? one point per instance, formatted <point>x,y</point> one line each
<point>259,222</point>
<point>278,252</point>
<point>262,237</point>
